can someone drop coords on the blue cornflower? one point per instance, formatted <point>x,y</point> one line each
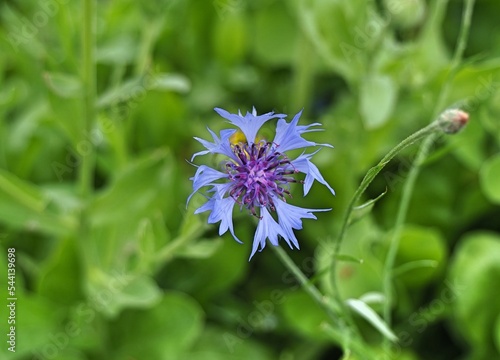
<point>256,176</point>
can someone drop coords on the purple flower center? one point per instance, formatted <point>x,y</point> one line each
<point>259,174</point>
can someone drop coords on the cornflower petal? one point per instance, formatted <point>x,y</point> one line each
<point>267,228</point>
<point>288,134</point>
<point>205,176</point>
<point>304,165</point>
<point>289,218</point>
<point>221,209</point>
<point>219,146</point>
<point>250,123</point>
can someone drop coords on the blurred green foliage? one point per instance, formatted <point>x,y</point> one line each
<point>144,278</point>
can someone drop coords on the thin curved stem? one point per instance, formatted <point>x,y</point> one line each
<point>343,334</point>
<point>420,158</point>
<point>370,175</point>
<point>400,219</point>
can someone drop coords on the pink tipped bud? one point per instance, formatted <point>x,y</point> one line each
<point>453,120</point>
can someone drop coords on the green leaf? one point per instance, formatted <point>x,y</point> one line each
<point>134,193</point>
<point>357,277</point>
<point>25,206</point>
<point>27,125</point>
<point>489,176</point>
<point>377,99</point>
<point>134,89</point>
<point>64,85</point>
<point>329,26</point>
<point>129,90</point>
<point>23,192</point>
<point>373,297</point>
<point>372,317</point>
<point>60,277</point>
<point>112,292</point>
<point>473,85</point>
<point>149,242</point>
<point>310,325</point>
<point>63,197</point>
<point>421,255</point>
<point>348,258</point>
<point>117,51</point>
<point>370,202</point>
<point>208,277</point>
<point>165,331</point>
<point>160,232</point>
<point>141,292</point>
<point>475,267</point>
<point>7,94</point>
<point>133,245</point>
<point>86,329</point>
<point>37,323</point>
<point>171,82</point>
<point>227,344</point>
<point>200,249</point>
<point>413,265</point>
<point>362,210</point>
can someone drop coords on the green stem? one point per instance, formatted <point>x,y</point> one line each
<point>400,218</point>
<point>415,168</point>
<point>305,283</point>
<point>85,175</point>
<point>370,175</point>
<point>89,96</point>
<point>343,335</point>
<point>357,347</point>
<point>168,251</point>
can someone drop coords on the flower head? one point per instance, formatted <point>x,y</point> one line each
<point>256,176</point>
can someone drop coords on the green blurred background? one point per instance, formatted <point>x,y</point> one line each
<point>142,278</point>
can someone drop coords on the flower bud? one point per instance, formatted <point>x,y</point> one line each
<point>453,120</point>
